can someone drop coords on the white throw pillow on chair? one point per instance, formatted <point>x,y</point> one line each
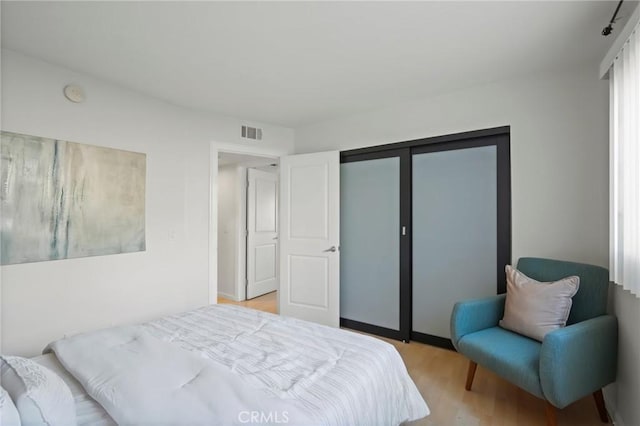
<point>534,308</point>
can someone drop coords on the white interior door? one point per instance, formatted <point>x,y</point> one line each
<point>310,236</point>
<point>262,233</point>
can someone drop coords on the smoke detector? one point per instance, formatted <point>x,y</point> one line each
<point>74,93</point>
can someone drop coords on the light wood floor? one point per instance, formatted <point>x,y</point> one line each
<point>267,303</point>
<point>440,374</point>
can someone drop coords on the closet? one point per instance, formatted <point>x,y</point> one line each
<point>423,224</point>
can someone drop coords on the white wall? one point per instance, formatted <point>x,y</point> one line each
<point>228,221</point>
<point>232,247</point>
<point>559,166</point>
<point>43,301</point>
<point>559,152</point>
<point>241,233</point>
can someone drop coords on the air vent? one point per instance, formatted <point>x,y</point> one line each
<point>251,133</point>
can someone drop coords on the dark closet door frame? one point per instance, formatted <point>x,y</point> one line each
<point>404,333</point>
<point>498,137</point>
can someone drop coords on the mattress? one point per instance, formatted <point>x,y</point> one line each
<point>168,369</point>
<point>88,411</point>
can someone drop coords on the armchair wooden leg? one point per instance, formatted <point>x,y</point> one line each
<point>602,410</point>
<point>550,412</point>
<point>471,372</point>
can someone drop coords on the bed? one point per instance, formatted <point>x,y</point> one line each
<point>227,365</point>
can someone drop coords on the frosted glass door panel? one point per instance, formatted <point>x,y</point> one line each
<point>454,233</point>
<point>370,242</point>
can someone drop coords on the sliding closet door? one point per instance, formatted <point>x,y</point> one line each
<point>370,244</point>
<point>423,224</point>
<point>455,242</point>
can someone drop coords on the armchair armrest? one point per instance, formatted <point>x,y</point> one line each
<point>579,359</point>
<point>474,315</point>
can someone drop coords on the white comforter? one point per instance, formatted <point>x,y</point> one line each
<point>224,364</point>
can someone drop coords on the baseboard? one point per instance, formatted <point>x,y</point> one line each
<point>613,412</point>
<point>229,296</point>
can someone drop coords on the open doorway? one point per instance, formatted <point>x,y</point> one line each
<point>247,263</point>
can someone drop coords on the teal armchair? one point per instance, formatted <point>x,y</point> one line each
<point>570,363</point>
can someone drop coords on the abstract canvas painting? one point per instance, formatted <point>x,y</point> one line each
<point>61,200</point>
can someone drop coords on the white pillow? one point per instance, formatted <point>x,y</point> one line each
<point>41,397</point>
<point>534,308</point>
<point>8,412</point>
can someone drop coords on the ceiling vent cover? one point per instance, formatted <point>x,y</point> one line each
<point>252,133</point>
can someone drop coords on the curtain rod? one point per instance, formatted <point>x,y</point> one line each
<point>623,34</point>
<point>609,28</point>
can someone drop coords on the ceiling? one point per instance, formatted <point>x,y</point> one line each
<point>296,63</point>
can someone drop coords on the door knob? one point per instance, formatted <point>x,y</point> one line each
<point>331,249</point>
